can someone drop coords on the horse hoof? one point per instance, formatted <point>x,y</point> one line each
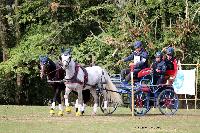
<point>78,113</point>
<point>60,113</point>
<point>82,112</point>
<point>68,110</point>
<point>52,112</point>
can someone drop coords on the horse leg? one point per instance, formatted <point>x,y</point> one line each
<point>53,104</point>
<point>105,99</point>
<point>86,98</point>
<point>82,108</point>
<point>76,105</point>
<point>80,102</point>
<point>67,91</point>
<point>94,94</point>
<point>60,106</point>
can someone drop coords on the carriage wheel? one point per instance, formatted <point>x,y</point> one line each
<point>168,102</point>
<point>141,102</point>
<point>111,107</point>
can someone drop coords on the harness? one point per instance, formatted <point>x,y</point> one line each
<point>74,79</point>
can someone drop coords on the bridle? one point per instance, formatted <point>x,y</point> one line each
<point>43,68</point>
<point>67,62</point>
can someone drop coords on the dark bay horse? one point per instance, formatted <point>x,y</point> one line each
<point>53,72</point>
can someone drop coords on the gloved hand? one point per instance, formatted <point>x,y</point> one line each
<point>157,70</point>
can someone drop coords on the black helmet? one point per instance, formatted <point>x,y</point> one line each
<point>137,44</point>
<point>159,54</point>
<point>170,51</point>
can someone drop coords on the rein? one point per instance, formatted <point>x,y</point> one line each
<point>50,73</point>
<point>53,71</point>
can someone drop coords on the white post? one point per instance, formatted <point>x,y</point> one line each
<point>132,95</point>
<point>132,87</point>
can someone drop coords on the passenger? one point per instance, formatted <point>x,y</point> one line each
<point>171,64</point>
<point>140,57</point>
<point>159,68</point>
<point>171,61</point>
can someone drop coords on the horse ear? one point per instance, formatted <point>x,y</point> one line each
<point>70,50</point>
<point>62,50</point>
<point>60,58</point>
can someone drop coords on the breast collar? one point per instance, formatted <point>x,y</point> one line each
<point>74,78</point>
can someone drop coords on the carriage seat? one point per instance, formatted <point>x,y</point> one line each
<point>169,76</point>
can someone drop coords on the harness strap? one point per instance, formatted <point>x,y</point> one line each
<point>85,76</point>
<point>74,79</point>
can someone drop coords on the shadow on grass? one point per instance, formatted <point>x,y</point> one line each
<point>125,115</point>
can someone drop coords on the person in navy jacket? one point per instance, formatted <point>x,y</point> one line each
<point>140,57</point>
<point>159,69</point>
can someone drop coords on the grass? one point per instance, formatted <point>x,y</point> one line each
<point>35,119</point>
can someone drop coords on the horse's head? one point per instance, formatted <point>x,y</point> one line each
<point>66,58</point>
<point>44,66</point>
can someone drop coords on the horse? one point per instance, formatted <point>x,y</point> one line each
<point>78,79</point>
<point>55,74</point>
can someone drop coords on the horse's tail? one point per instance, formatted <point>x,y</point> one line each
<point>112,94</point>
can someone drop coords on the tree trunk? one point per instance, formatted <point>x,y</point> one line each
<point>3,29</point>
<point>17,26</point>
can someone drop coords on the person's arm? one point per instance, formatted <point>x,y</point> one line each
<point>175,66</point>
<point>129,58</point>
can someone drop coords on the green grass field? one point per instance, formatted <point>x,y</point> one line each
<point>36,119</point>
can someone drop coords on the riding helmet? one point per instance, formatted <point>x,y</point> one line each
<point>170,51</point>
<point>159,54</point>
<point>137,44</point>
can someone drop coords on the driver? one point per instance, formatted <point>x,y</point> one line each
<point>139,56</point>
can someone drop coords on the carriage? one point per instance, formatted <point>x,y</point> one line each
<point>146,95</point>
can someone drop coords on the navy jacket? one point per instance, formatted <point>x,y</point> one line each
<point>143,59</point>
<point>160,66</point>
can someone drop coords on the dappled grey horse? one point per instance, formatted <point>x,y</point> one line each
<point>79,78</point>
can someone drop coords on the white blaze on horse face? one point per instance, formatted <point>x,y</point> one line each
<point>65,60</point>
